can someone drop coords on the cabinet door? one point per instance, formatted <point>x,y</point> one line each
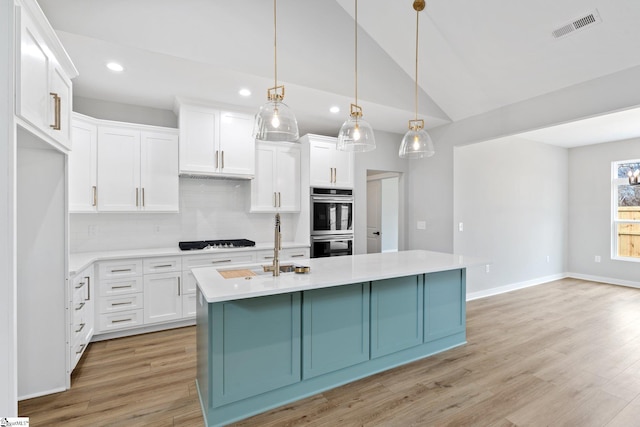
<point>335,328</point>
<point>237,144</point>
<point>255,347</point>
<point>162,297</point>
<point>263,191</point>
<point>321,164</point>
<point>159,172</point>
<point>33,98</point>
<point>118,169</point>
<point>198,139</point>
<point>444,304</point>
<point>82,167</point>
<point>60,85</point>
<point>343,173</point>
<point>288,179</point>
<point>396,314</point>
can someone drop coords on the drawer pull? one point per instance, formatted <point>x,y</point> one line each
<point>220,261</point>
<point>114,304</point>
<point>78,308</point>
<point>81,284</point>
<point>122,320</point>
<point>122,270</point>
<point>82,346</point>
<point>121,287</point>
<point>179,287</point>
<point>88,288</point>
<point>56,120</point>
<point>164,266</point>
<point>297,256</point>
<point>267,257</point>
<point>82,325</point>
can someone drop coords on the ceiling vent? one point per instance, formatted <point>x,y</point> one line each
<point>577,24</point>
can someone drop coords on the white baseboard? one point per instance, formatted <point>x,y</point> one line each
<point>41,393</point>
<point>514,286</point>
<point>607,280</point>
<point>143,330</point>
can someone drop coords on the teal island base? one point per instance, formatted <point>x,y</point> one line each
<point>259,353</point>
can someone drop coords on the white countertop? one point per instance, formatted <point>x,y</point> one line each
<point>79,261</point>
<point>326,272</point>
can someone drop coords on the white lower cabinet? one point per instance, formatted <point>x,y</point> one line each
<point>121,295</point>
<point>162,297</point>
<point>82,316</point>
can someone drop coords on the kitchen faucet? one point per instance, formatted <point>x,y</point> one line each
<point>277,246</point>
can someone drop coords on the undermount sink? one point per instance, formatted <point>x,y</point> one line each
<point>234,273</point>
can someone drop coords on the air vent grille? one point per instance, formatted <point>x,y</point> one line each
<point>577,24</point>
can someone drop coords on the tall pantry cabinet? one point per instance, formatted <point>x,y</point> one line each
<point>41,120</point>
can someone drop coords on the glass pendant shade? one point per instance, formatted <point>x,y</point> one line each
<point>416,144</point>
<point>356,135</point>
<point>275,122</point>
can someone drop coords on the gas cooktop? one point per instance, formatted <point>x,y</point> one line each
<point>215,244</point>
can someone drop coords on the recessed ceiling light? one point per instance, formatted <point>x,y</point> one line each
<point>334,109</point>
<point>244,92</point>
<point>114,66</point>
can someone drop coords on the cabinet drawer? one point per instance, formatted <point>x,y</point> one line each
<point>121,320</point>
<point>161,265</point>
<point>218,259</point>
<point>121,303</point>
<point>119,269</point>
<point>79,329</point>
<point>77,351</point>
<point>285,254</point>
<point>122,286</point>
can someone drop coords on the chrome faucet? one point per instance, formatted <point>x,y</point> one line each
<point>277,246</point>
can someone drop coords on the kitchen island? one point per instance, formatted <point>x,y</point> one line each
<point>264,341</point>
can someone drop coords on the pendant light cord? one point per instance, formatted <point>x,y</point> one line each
<point>356,50</point>
<point>417,26</point>
<point>275,46</point>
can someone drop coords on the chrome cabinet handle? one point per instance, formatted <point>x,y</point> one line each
<point>78,308</point>
<point>121,320</point>
<point>121,287</point>
<point>137,196</point>
<point>179,291</point>
<point>222,260</point>
<point>142,196</point>
<point>81,327</point>
<point>80,285</point>
<point>164,266</point>
<point>216,159</point>
<point>117,304</point>
<point>95,195</point>
<point>222,159</point>
<point>56,120</point>
<point>122,270</point>
<point>279,200</point>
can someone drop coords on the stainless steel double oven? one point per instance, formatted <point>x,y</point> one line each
<point>331,222</point>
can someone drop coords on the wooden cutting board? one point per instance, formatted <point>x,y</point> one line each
<point>234,274</point>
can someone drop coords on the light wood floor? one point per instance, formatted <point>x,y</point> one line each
<point>565,353</point>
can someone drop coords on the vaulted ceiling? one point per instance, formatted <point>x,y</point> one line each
<point>475,56</point>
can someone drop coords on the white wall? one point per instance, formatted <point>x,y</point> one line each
<point>383,158</point>
<point>389,216</point>
<point>209,209</point>
<point>511,196</point>
<point>8,377</point>
<point>590,211</point>
<point>108,110</point>
<point>431,180</point>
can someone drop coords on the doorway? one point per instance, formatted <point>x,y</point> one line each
<point>383,207</point>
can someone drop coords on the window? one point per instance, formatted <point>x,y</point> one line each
<point>626,210</point>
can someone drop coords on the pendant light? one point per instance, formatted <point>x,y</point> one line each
<point>356,134</point>
<point>275,121</point>
<point>416,143</point>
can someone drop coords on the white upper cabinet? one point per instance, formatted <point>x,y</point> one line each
<point>43,77</point>
<point>119,169</point>
<point>122,167</point>
<point>216,143</point>
<point>83,166</point>
<point>328,167</point>
<point>276,186</point>
<point>159,171</point>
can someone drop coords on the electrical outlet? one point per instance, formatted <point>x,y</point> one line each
<point>487,268</point>
<point>598,258</point>
<point>421,225</point>
<point>460,226</point>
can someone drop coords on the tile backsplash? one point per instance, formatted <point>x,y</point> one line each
<point>209,209</point>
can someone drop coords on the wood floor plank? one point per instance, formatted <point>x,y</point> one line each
<point>562,353</point>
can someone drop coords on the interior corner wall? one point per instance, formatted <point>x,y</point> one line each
<point>107,110</point>
<point>590,198</point>
<point>383,158</point>
<point>511,196</point>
